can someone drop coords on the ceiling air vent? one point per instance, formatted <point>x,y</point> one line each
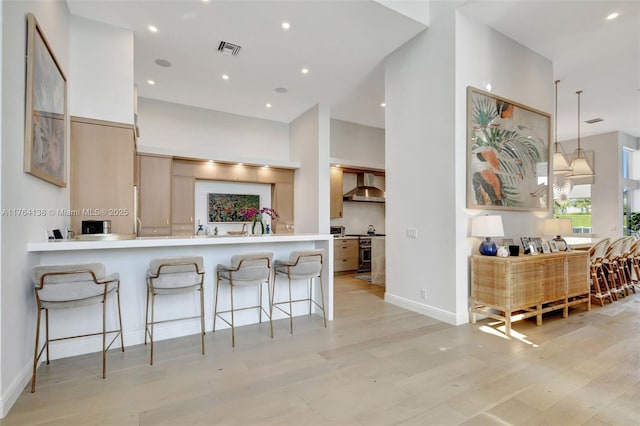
<point>229,49</point>
<point>594,120</point>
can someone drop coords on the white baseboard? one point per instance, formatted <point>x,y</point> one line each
<point>430,311</point>
<point>14,390</point>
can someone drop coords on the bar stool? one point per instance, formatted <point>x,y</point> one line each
<point>251,269</point>
<point>302,265</point>
<point>72,286</point>
<point>171,276</point>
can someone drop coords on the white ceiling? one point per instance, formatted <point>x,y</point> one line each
<point>344,42</point>
<point>589,53</point>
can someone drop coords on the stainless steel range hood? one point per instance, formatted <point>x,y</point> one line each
<point>365,191</point>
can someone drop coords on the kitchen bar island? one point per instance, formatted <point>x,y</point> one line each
<point>131,258</point>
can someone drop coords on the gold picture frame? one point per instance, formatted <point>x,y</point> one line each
<point>46,120</point>
<point>507,154</point>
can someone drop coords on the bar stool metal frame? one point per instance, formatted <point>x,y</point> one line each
<point>77,279</point>
<point>244,271</point>
<point>299,267</point>
<point>164,267</point>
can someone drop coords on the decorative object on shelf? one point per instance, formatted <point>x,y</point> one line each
<point>560,163</point>
<point>508,149</point>
<point>487,226</point>
<point>267,229</point>
<point>579,163</point>
<point>242,232</point>
<point>46,110</point>
<point>503,251</point>
<point>558,227</point>
<point>200,230</point>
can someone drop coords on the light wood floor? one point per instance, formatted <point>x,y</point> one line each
<point>376,364</point>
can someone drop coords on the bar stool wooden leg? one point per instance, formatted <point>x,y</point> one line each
<point>233,328</point>
<point>215,307</point>
<point>46,329</point>
<point>202,318</point>
<point>104,334</point>
<point>35,353</point>
<point>324,312</point>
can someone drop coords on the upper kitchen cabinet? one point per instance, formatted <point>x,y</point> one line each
<point>102,173</point>
<point>182,205</point>
<point>336,205</point>
<point>155,195</point>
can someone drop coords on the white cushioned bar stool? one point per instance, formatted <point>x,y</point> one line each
<point>302,265</point>
<point>72,286</point>
<point>171,276</point>
<point>250,269</point>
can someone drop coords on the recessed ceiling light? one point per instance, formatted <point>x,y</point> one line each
<point>266,166</point>
<point>163,63</point>
<point>286,25</point>
<point>205,1</point>
<point>268,105</point>
<point>305,70</point>
<point>240,164</point>
<point>384,104</point>
<point>225,77</point>
<point>211,161</point>
<point>281,90</point>
<point>153,28</point>
<point>612,16</point>
<point>151,82</point>
<point>488,86</point>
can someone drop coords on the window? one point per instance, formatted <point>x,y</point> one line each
<point>574,204</point>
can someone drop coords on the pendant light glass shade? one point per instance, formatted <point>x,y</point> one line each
<point>579,163</point>
<point>560,162</point>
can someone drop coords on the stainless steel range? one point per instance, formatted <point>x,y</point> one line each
<point>364,242</point>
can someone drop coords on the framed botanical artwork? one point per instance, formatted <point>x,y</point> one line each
<point>537,241</point>
<point>230,207</point>
<point>545,247</point>
<point>46,119</point>
<point>507,154</point>
<point>525,242</point>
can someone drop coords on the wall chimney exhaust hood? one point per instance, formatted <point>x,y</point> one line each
<point>365,191</point>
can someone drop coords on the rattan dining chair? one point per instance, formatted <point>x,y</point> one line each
<point>613,272</point>
<point>599,286</point>
<point>246,270</point>
<point>170,276</point>
<point>62,287</point>
<point>302,265</point>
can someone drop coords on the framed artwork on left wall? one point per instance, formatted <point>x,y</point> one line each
<point>45,137</point>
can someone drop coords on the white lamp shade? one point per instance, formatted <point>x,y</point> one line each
<point>487,226</point>
<point>557,227</point>
<point>580,165</point>
<point>560,163</point>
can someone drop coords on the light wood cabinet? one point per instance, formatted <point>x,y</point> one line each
<point>345,254</point>
<point>155,195</point>
<point>528,286</point>
<point>335,189</point>
<point>182,205</point>
<point>102,174</point>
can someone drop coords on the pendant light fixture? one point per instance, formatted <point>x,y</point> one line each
<point>579,163</point>
<point>560,162</point>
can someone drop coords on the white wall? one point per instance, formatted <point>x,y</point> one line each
<point>205,187</point>
<point>173,129</point>
<point>20,190</point>
<point>420,180</point>
<point>515,72</point>
<point>101,86</point>
<point>310,145</point>
<point>426,82</point>
<point>606,189</point>
<point>357,145</point>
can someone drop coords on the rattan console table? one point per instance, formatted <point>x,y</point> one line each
<point>512,288</point>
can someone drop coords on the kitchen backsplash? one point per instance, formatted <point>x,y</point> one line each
<point>358,216</point>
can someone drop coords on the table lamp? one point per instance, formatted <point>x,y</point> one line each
<point>487,227</point>
<point>557,227</point>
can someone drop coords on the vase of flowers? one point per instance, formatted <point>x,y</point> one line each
<point>256,216</point>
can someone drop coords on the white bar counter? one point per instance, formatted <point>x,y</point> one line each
<point>130,258</point>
